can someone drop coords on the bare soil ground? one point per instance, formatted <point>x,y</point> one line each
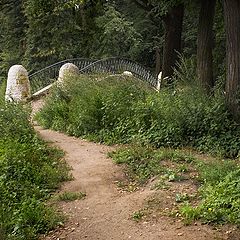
<point>107,211</point>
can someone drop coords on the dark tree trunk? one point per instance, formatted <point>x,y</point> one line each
<point>232,22</point>
<point>205,44</point>
<point>173,22</point>
<point>158,61</point>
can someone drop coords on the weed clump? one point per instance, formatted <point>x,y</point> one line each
<point>70,196</point>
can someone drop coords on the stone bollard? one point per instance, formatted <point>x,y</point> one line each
<point>127,73</point>
<point>18,85</point>
<point>159,82</point>
<point>66,70</point>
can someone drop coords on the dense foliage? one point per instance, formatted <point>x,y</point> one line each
<point>32,31</point>
<point>29,172</point>
<point>114,110</point>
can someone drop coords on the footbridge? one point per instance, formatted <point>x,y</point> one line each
<point>49,74</point>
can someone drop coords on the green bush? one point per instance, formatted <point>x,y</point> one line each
<point>219,193</point>
<point>101,110</point>
<point>29,172</point>
<point>119,110</point>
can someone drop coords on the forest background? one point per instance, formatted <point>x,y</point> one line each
<point>37,33</point>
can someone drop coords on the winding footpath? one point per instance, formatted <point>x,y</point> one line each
<point>106,212</point>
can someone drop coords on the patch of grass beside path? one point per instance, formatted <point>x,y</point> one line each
<point>218,181</point>
<point>146,162</point>
<point>30,171</point>
<point>69,196</point>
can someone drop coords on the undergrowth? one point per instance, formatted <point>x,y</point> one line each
<point>219,200</point>
<point>125,110</point>
<point>29,172</point>
<point>145,162</point>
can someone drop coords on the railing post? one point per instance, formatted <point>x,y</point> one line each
<point>159,80</point>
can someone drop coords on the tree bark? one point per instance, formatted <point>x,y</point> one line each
<point>205,44</point>
<point>173,22</point>
<point>232,22</point>
<point>158,61</point>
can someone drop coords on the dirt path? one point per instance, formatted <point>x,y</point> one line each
<point>106,212</point>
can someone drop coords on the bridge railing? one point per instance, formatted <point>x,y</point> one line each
<point>48,75</point>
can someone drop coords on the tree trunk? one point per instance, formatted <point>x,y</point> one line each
<point>232,22</point>
<point>205,44</point>
<point>158,61</point>
<point>173,22</point>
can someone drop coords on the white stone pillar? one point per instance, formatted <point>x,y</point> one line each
<point>159,82</point>
<point>18,85</point>
<point>68,69</point>
<point>127,73</point>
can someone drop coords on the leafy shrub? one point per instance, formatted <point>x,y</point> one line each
<point>29,172</point>
<point>219,193</point>
<point>221,201</point>
<point>122,110</point>
<point>101,110</point>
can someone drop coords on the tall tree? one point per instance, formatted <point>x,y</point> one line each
<point>232,21</point>
<point>205,44</point>
<point>171,14</point>
<point>117,36</point>
<point>173,22</point>
<point>60,29</point>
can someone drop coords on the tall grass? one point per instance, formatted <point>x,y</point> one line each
<point>29,172</point>
<point>125,110</point>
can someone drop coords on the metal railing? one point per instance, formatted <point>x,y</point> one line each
<point>48,75</point>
